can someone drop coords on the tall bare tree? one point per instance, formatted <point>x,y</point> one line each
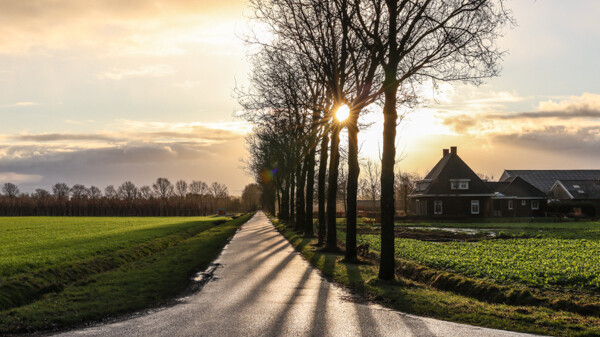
<point>163,188</point>
<point>421,40</point>
<point>61,190</point>
<point>127,191</point>
<point>181,187</point>
<point>10,190</point>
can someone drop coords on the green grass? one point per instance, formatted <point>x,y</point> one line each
<point>146,263</point>
<point>28,243</point>
<point>450,296</point>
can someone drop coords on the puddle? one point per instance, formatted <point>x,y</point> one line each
<point>469,231</point>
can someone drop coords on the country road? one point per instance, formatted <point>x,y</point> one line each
<point>264,288</point>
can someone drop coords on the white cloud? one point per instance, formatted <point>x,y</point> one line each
<point>158,70</point>
<point>19,104</point>
<point>574,104</point>
<point>19,178</point>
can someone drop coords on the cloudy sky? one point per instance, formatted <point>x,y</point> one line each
<point>102,91</point>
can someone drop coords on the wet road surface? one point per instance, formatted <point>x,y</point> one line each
<point>264,288</point>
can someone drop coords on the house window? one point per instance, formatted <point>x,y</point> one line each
<point>535,204</point>
<point>459,185</point>
<point>437,207</point>
<point>523,202</point>
<point>510,204</point>
<point>418,206</point>
<point>474,206</point>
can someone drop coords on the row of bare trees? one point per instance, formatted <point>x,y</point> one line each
<point>313,59</point>
<point>162,198</point>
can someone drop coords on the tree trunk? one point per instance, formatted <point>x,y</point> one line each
<point>352,191</point>
<point>405,199</point>
<point>321,188</point>
<point>292,205</point>
<point>334,161</point>
<point>285,209</point>
<point>310,188</point>
<point>387,262</point>
<point>300,206</point>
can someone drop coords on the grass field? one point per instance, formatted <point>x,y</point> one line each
<point>57,272</point>
<point>533,277</point>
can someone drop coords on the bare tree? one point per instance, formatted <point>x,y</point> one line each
<point>95,192</point>
<point>127,191</point>
<point>181,187</point>
<point>251,197</point>
<point>41,193</point>
<point>437,40</point>
<point>79,191</point>
<point>198,187</point>
<point>218,190</point>
<point>10,190</point>
<point>145,192</point>
<point>163,188</point>
<point>404,184</point>
<point>371,182</point>
<point>61,190</point>
<point>110,192</point>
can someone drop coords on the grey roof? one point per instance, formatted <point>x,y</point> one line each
<point>582,189</point>
<point>545,179</point>
<point>516,187</point>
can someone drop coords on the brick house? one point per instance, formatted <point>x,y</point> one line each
<point>453,190</point>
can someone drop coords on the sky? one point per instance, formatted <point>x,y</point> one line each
<point>103,91</point>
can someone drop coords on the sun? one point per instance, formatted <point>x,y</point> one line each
<point>342,113</point>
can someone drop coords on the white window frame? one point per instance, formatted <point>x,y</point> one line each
<point>459,184</point>
<point>510,205</point>
<point>535,204</point>
<point>523,202</point>
<point>435,207</point>
<point>475,203</point>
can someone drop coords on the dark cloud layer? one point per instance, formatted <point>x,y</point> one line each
<point>582,141</point>
<point>140,162</point>
<point>560,114</point>
<point>50,137</point>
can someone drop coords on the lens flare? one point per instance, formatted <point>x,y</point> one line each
<point>342,113</point>
<point>267,175</point>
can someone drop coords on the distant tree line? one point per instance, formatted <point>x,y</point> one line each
<point>160,199</point>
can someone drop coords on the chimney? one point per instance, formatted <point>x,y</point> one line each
<point>453,149</point>
<point>446,151</point>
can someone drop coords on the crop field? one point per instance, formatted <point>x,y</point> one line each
<point>57,272</point>
<point>537,262</point>
<point>533,254</point>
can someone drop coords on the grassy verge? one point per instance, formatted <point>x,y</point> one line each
<point>422,298</point>
<point>141,278</point>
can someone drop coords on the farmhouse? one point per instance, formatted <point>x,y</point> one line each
<point>453,190</point>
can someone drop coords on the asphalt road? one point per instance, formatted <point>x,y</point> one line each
<point>264,288</point>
